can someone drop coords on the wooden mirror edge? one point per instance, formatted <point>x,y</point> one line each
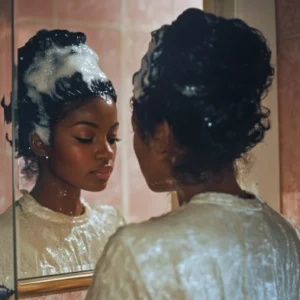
<point>54,284</point>
<point>209,5</point>
<point>174,201</point>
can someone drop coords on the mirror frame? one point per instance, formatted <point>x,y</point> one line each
<point>54,284</point>
<point>82,280</point>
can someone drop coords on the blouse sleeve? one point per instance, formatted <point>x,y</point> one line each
<point>116,275</point>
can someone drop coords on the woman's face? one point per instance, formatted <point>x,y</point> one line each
<point>84,147</point>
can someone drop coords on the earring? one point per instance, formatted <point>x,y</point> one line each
<point>46,157</point>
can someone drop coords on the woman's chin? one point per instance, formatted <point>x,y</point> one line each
<point>96,188</point>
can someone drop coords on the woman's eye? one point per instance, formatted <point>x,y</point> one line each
<point>84,141</point>
<point>113,140</point>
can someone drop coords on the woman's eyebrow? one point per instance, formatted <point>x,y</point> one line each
<point>83,122</point>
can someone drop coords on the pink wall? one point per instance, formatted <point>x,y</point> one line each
<point>288,46</point>
<point>5,88</point>
<point>63,296</point>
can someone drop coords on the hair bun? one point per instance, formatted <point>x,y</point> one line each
<point>194,17</point>
<point>192,26</point>
<point>206,77</point>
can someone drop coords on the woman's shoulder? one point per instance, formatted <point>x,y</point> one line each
<point>106,211</point>
<point>103,209</point>
<point>6,218</point>
<point>172,227</point>
<point>147,232</point>
<point>6,232</point>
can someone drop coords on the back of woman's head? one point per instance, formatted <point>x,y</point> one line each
<point>57,72</point>
<point>205,76</point>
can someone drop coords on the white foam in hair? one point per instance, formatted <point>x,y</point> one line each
<point>56,63</point>
<point>141,78</point>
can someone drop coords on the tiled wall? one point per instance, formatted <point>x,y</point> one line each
<point>288,46</point>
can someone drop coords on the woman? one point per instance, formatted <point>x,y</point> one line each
<point>68,129</point>
<point>196,111</point>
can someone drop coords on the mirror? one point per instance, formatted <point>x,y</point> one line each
<point>74,117</point>
<point>7,280</point>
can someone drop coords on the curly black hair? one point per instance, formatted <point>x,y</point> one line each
<point>70,93</point>
<point>206,77</point>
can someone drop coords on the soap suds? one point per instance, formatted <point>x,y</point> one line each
<point>54,64</point>
<point>141,78</point>
<point>149,69</point>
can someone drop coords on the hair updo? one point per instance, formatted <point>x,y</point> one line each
<point>70,92</point>
<point>205,76</point>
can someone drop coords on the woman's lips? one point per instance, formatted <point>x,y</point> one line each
<point>103,172</point>
<point>103,176</point>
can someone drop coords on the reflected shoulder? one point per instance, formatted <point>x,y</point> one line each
<point>108,211</point>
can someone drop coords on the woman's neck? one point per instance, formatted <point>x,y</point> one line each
<point>227,185</point>
<point>57,195</point>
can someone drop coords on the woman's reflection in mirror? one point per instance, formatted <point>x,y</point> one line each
<point>67,135</point>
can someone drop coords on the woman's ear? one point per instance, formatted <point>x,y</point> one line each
<point>37,145</point>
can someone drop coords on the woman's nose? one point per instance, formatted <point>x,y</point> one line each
<point>104,150</point>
